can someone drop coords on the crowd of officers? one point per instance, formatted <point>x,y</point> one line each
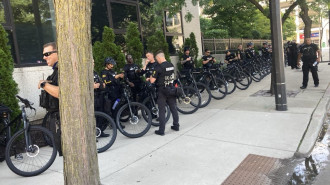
<point>160,72</point>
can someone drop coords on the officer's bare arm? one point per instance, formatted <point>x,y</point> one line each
<point>152,79</point>
<point>318,55</point>
<point>206,61</point>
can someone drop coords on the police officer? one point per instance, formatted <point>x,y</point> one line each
<point>112,84</point>
<point>132,74</point>
<point>240,53</point>
<point>265,51</point>
<point>230,57</point>
<point>187,61</point>
<point>249,52</point>
<point>311,54</point>
<point>50,87</point>
<point>163,77</point>
<point>150,65</point>
<point>293,54</point>
<point>208,59</point>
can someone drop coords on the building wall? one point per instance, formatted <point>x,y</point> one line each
<point>194,25</point>
<point>27,79</point>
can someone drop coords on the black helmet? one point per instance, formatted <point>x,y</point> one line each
<point>249,44</point>
<point>227,51</point>
<point>109,60</point>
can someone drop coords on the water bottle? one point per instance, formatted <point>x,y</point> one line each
<point>315,63</point>
<point>115,104</point>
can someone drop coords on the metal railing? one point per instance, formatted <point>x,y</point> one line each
<point>219,46</point>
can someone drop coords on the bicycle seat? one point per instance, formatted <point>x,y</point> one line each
<point>5,109</point>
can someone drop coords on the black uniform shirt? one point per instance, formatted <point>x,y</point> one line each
<point>240,53</point>
<point>164,74</point>
<point>250,53</point>
<point>210,63</point>
<point>149,69</point>
<point>309,52</point>
<point>112,84</point>
<point>293,49</point>
<point>130,72</point>
<point>98,79</point>
<point>265,51</point>
<point>188,64</point>
<point>229,57</point>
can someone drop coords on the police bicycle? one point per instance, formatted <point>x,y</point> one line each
<point>242,77</point>
<point>187,79</point>
<point>27,153</point>
<point>106,129</point>
<point>225,77</point>
<point>133,119</point>
<point>149,96</point>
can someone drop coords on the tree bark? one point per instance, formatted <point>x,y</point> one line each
<point>305,17</point>
<point>73,26</point>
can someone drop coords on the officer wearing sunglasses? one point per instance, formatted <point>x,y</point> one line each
<point>49,94</point>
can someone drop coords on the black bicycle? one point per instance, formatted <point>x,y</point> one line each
<point>106,129</point>
<point>27,153</point>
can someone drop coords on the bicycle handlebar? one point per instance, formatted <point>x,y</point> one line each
<point>26,102</point>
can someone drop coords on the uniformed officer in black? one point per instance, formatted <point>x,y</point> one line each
<point>111,81</point>
<point>293,54</point>
<point>240,53</point>
<point>230,57</point>
<point>51,87</point>
<point>249,52</point>
<point>187,61</point>
<point>265,51</point>
<point>208,59</point>
<point>132,73</point>
<point>309,53</point>
<point>150,65</point>
<point>163,77</point>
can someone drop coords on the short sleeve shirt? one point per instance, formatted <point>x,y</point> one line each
<point>164,74</point>
<point>309,52</point>
<point>210,63</point>
<point>188,64</point>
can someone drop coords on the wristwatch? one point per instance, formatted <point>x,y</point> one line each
<point>42,85</point>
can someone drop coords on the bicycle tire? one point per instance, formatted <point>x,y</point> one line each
<point>219,91</point>
<point>154,112</point>
<point>106,125</point>
<point>242,80</point>
<point>188,107</point>
<point>131,126</point>
<point>13,158</point>
<point>231,83</point>
<point>204,93</point>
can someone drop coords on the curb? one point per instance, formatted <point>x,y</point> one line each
<point>315,125</point>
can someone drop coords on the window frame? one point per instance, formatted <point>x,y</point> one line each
<point>173,34</point>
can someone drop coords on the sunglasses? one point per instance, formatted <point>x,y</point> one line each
<point>49,53</point>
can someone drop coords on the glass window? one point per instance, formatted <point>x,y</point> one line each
<point>173,23</point>
<point>2,12</point>
<point>34,27</point>
<point>174,43</point>
<point>11,43</point>
<point>122,14</point>
<point>99,19</point>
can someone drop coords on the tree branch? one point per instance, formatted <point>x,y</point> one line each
<point>288,11</point>
<point>260,8</point>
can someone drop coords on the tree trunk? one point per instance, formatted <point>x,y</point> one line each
<point>305,17</point>
<point>73,26</point>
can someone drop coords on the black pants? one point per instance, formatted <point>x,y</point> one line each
<point>293,59</point>
<point>164,98</point>
<point>55,128</point>
<point>308,66</point>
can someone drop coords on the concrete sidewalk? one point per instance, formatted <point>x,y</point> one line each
<point>213,141</point>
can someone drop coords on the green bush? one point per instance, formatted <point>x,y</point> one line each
<point>8,87</point>
<point>157,42</point>
<point>107,48</point>
<point>133,43</point>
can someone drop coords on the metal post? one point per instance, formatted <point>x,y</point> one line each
<point>278,55</point>
<point>214,46</point>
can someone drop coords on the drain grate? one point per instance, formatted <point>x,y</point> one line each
<point>253,170</point>
<point>266,93</point>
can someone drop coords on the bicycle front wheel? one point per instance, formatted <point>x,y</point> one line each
<point>32,158</point>
<point>138,122</point>
<point>155,111</point>
<point>106,131</point>
<point>204,93</point>
<point>189,102</point>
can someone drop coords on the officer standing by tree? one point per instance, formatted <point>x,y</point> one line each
<point>311,54</point>
<point>111,81</point>
<point>163,77</point>
<point>50,93</point>
<point>133,73</point>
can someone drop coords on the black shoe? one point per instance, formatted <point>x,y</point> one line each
<point>316,85</point>
<point>60,153</point>
<point>303,87</point>
<point>104,134</point>
<point>159,133</point>
<point>176,128</point>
